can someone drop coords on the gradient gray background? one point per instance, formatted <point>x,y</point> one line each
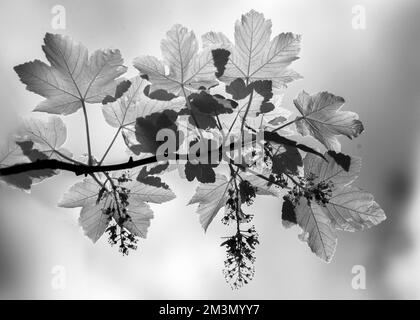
<point>376,70</point>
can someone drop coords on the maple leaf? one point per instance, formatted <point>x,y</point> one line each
<point>271,119</point>
<point>94,215</point>
<point>204,156</point>
<point>120,89</point>
<point>204,108</point>
<point>11,153</point>
<point>148,176</point>
<point>352,209</point>
<point>148,193</point>
<point>286,159</point>
<point>211,197</point>
<point>253,107</point>
<point>240,90</point>
<point>317,230</point>
<point>35,140</point>
<point>122,110</point>
<point>263,187</point>
<point>202,172</point>
<point>344,161</point>
<point>129,136</point>
<point>330,170</point>
<point>73,77</point>
<point>188,69</point>
<point>138,213</point>
<point>321,118</point>
<point>100,205</point>
<point>288,215</point>
<point>133,104</point>
<point>276,139</point>
<point>147,128</point>
<point>212,104</point>
<point>47,136</point>
<point>263,109</point>
<point>254,57</point>
<point>348,208</point>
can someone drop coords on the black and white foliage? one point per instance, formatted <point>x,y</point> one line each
<point>210,97</point>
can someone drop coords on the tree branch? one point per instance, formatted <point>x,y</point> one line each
<point>80,169</point>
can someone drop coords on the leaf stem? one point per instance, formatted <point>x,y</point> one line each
<point>94,177</point>
<point>110,145</point>
<point>246,112</point>
<point>87,132</point>
<point>286,124</point>
<point>66,158</point>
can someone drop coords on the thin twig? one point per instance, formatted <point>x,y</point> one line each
<point>79,169</point>
<point>82,169</point>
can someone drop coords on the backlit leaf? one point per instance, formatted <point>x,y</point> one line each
<point>35,140</point>
<point>262,185</point>
<point>211,197</point>
<point>317,230</point>
<point>134,104</point>
<point>348,208</point>
<point>330,170</point>
<point>10,154</point>
<point>47,136</point>
<point>188,69</point>
<point>321,118</point>
<point>94,216</point>
<point>73,76</point>
<point>352,209</point>
<point>254,57</point>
